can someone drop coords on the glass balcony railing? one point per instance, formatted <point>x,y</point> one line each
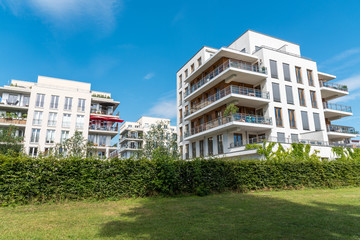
<point>218,70</point>
<point>251,92</point>
<point>103,127</point>
<point>334,86</point>
<point>341,129</point>
<point>245,118</point>
<point>337,107</point>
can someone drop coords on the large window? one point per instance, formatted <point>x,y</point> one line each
<point>317,122</point>
<point>33,151</point>
<point>66,120</point>
<point>68,103</point>
<point>210,146</point>
<point>50,136</point>
<point>302,97</point>
<point>40,100</point>
<point>193,149</point>
<point>220,144</point>
<point>54,104</point>
<point>80,121</point>
<point>292,120</point>
<point>37,118</point>
<point>81,105</point>
<point>237,139</point>
<point>64,136</point>
<point>305,120</point>
<point>310,77</point>
<point>276,92</point>
<point>273,69</point>
<point>52,119</point>
<point>289,95</point>
<point>201,148</point>
<point>298,74</point>
<point>35,134</point>
<point>313,99</point>
<point>281,137</point>
<point>278,117</point>
<point>286,69</point>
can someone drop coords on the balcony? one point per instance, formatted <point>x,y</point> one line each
<point>131,138</point>
<point>130,147</point>
<point>16,104</point>
<point>338,133</point>
<point>102,111</point>
<point>11,121</point>
<point>233,70</point>
<point>335,111</point>
<point>249,97</point>
<point>110,129</point>
<point>252,123</point>
<point>332,90</point>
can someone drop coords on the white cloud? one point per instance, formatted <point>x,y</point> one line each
<point>348,98</point>
<point>353,82</point>
<point>149,76</point>
<point>60,12</point>
<point>342,56</point>
<point>165,107</point>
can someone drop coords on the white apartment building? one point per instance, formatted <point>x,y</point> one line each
<point>280,95</point>
<point>131,137</point>
<point>51,110</point>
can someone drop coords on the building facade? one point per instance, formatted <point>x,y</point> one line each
<point>51,110</point>
<point>278,94</point>
<point>131,137</point>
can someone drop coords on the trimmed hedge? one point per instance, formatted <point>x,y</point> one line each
<point>24,180</point>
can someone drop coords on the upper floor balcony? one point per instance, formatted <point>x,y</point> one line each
<point>249,97</point>
<point>338,133</point>
<point>332,90</point>
<point>333,111</point>
<point>254,123</point>
<point>231,70</point>
<point>18,122</point>
<point>131,137</point>
<point>104,128</point>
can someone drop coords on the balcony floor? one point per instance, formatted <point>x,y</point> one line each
<point>335,114</point>
<point>339,136</point>
<point>329,93</point>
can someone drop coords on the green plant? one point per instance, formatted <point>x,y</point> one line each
<point>230,110</point>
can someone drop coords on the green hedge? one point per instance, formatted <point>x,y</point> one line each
<point>24,179</point>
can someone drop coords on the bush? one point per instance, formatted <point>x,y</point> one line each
<point>24,179</point>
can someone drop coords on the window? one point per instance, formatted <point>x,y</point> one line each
<point>286,69</point>
<point>305,120</point>
<point>180,81</point>
<point>220,144</point>
<point>302,97</point>
<point>237,139</point>
<point>199,62</point>
<point>317,122</point>
<point>64,136</point>
<point>310,77</point>
<point>40,100</point>
<point>192,68</point>
<point>187,151</point>
<point>180,98</point>
<point>292,118</point>
<point>298,74</point>
<point>281,137</point>
<point>33,151</point>
<point>313,99</point>
<point>193,149</point>
<point>201,148</point>
<point>289,95</point>
<point>52,119</point>
<point>186,73</point>
<point>12,99</point>
<point>294,138</point>
<point>278,117</point>
<point>273,69</point>
<point>54,104</point>
<point>66,120</point>
<point>102,142</point>
<point>80,121</point>
<point>26,100</point>
<point>276,92</point>
<point>81,105</point>
<point>37,118</point>
<point>210,146</point>
<point>68,103</point>
<point>35,134</point>
<point>50,136</point>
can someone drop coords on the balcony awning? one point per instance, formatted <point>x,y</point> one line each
<point>105,118</point>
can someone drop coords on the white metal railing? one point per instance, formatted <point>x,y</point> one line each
<point>334,86</point>
<point>338,107</point>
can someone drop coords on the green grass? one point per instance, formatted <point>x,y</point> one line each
<point>301,214</point>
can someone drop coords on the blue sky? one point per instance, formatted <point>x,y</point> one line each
<point>134,48</point>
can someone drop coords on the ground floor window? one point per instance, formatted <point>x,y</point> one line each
<point>33,151</point>
<point>237,139</point>
<point>210,146</point>
<point>193,149</point>
<point>201,148</point>
<point>220,144</point>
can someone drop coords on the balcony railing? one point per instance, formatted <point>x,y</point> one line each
<point>102,112</point>
<point>334,86</point>
<point>103,128</point>
<point>338,107</point>
<point>51,123</point>
<point>12,121</point>
<point>218,70</point>
<point>245,118</point>
<point>251,92</point>
<point>37,121</point>
<point>341,129</point>
<point>130,137</point>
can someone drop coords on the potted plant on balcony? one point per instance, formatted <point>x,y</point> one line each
<point>230,110</point>
<point>344,87</point>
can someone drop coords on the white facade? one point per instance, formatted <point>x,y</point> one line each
<point>131,137</point>
<point>280,97</point>
<point>51,110</point>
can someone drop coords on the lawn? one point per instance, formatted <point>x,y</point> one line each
<point>301,214</point>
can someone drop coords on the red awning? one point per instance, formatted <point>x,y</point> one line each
<point>105,118</point>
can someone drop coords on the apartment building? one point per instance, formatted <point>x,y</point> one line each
<point>51,110</point>
<point>278,94</point>
<point>131,137</point>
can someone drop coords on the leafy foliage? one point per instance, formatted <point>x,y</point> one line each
<point>231,109</point>
<point>10,143</point>
<point>76,146</point>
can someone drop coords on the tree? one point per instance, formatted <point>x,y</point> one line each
<point>160,142</point>
<point>76,146</point>
<point>230,110</point>
<point>10,143</point>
